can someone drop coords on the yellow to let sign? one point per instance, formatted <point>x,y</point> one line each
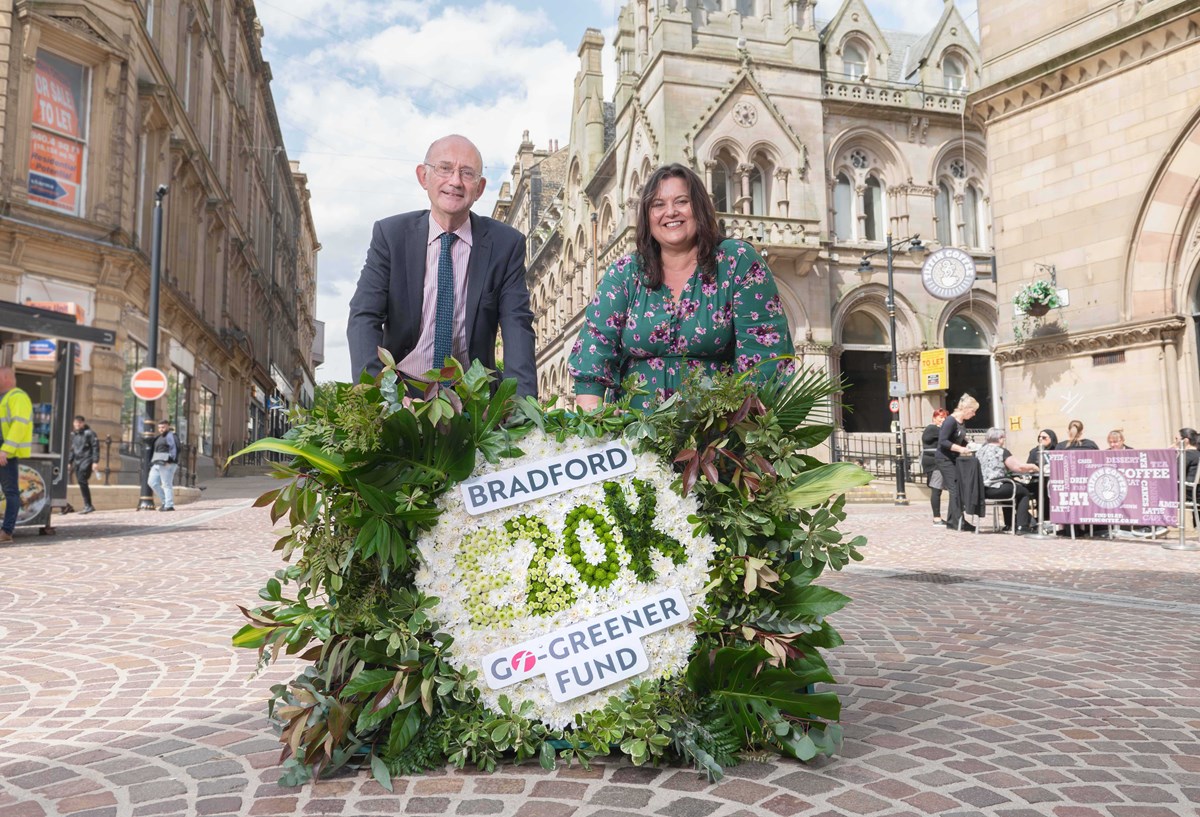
<point>935,370</point>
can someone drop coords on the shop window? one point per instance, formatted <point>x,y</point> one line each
<point>758,192</point>
<point>179,403</point>
<point>133,411</point>
<point>207,420</point>
<point>58,140</point>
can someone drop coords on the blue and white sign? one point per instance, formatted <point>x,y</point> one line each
<point>44,349</point>
<point>590,654</point>
<point>564,472</point>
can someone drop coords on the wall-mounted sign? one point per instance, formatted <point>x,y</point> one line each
<point>948,273</point>
<point>935,370</point>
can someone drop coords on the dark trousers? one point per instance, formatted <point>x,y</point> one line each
<point>935,502</point>
<point>950,485</point>
<point>12,493</point>
<point>1005,491</point>
<point>82,475</point>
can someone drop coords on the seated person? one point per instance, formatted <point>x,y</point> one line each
<point>998,464</point>
<point>1076,440</point>
<point>1116,441</point>
<point>1190,440</point>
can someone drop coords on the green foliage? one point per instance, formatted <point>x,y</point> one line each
<point>368,467</point>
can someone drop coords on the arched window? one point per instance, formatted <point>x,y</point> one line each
<point>862,329</point>
<point>971,203</point>
<point>954,73</point>
<point>854,60</point>
<point>720,188</point>
<point>872,208</point>
<point>758,192</point>
<point>970,367</point>
<point>746,7</point>
<point>945,225</point>
<point>843,208</point>
<point>865,369</point>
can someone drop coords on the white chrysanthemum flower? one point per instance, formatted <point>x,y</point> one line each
<point>511,573</point>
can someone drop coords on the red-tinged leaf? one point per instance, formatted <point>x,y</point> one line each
<point>763,464</point>
<point>740,414</point>
<point>709,467</point>
<point>339,723</point>
<point>686,455</point>
<point>384,697</point>
<point>267,498</point>
<point>734,458</point>
<point>690,474</point>
<point>259,617</point>
<point>313,654</point>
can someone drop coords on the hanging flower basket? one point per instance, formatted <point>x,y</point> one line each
<point>1038,310</point>
<point>1033,302</point>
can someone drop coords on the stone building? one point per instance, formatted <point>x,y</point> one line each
<point>103,102</point>
<point>815,139</point>
<point>1092,118</point>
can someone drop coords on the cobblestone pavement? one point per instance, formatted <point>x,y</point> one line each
<point>982,675</point>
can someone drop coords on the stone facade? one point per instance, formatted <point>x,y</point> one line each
<point>816,140</point>
<point>1092,118</point>
<point>103,102</point>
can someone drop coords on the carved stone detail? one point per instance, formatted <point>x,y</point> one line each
<point>1110,339</point>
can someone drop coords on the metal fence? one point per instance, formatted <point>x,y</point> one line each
<point>876,452</point>
<point>185,476</point>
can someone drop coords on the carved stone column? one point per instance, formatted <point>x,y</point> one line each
<point>782,200</point>
<point>743,176</point>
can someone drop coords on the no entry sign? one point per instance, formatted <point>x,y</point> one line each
<point>148,384</point>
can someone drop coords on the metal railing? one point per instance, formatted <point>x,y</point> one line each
<point>876,451</point>
<point>184,477</point>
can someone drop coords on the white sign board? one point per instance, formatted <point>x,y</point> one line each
<point>512,486</point>
<point>948,273</point>
<point>590,654</point>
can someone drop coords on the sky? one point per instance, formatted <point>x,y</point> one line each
<point>363,86</point>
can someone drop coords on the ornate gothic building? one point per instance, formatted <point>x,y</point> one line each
<point>816,140</point>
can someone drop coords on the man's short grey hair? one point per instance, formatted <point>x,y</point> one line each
<point>995,435</point>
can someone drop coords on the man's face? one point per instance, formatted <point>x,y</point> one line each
<point>78,425</point>
<point>450,195</point>
<point>163,428</point>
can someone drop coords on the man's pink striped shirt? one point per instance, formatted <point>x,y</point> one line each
<point>420,359</point>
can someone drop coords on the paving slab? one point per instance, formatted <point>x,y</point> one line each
<point>982,674</point>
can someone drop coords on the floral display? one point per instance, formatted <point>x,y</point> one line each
<point>438,610</point>
<point>504,577</point>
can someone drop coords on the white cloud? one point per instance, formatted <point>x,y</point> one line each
<point>359,111</point>
<point>918,16</point>
<point>315,19</point>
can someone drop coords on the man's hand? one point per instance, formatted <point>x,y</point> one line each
<point>3,458</point>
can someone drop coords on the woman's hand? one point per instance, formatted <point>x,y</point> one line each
<point>587,402</point>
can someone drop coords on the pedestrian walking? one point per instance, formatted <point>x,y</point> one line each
<point>16,431</point>
<point>163,464</point>
<point>85,458</point>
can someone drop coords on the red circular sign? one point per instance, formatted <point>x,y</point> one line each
<point>148,384</point>
<point>894,406</point>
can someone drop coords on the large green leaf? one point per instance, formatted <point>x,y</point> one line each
<point>371,680</point>
<point>404,729</point>
<point>742,681</point>
<point>818,484</point>
<point>323,461</point>
<point>808,601</point>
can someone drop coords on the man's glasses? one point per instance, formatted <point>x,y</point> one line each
<point>444,170</point>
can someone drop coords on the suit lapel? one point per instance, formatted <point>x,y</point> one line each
<point>414,269</point>
<point>477,271</point>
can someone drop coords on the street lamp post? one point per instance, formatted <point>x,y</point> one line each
<point>146,501</point>
<point>894,389</point>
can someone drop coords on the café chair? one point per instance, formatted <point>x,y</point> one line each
<point>1000,504</point>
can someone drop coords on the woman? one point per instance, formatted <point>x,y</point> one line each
<point>933,477</point>
<point>952,441</point>
<point>1047,441</point>
<point>684,300</point>
<point>998,464</point>
<point>1116,441</point>
<point>1190,440</point>
<point>1076,440</point>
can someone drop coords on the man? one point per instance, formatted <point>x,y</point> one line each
<point>439,282</point>
<point>85,458</point>
<point>163,462</point>
<point>16,429</point>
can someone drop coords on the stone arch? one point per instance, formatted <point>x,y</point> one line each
<point>978,305</point>
<point>891,159</point>
<point>794,309</point>
<point>872,298</point>
<point>1157,283</point>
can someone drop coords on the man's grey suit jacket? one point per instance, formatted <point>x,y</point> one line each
<point>386,308</point>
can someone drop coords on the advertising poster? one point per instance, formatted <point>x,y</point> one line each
<point>57,140</point>
<point>1128,487</point>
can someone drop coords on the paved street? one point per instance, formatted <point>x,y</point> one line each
<point>983,675</point>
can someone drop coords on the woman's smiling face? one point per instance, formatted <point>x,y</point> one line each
<point>672,223</point>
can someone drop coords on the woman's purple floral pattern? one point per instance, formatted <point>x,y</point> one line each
<point>734,322</point>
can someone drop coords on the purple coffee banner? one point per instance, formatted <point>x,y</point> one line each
<point>1131,487</point>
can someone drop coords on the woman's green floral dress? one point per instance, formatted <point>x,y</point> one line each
<point>732,323</point>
